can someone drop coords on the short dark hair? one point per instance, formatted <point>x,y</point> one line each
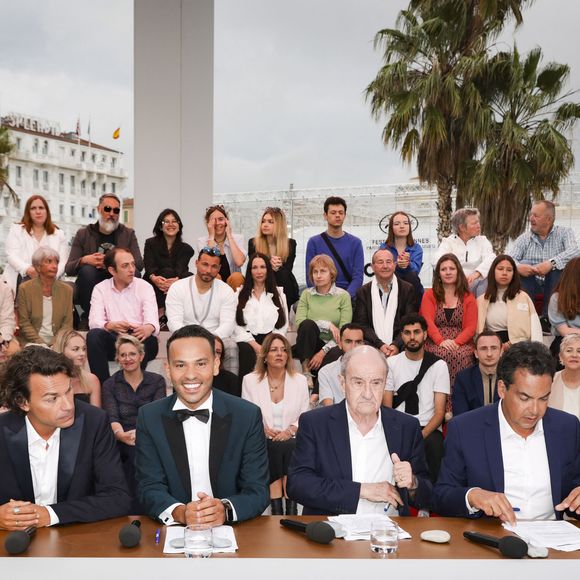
<point>192,331</point>
<point>413,318</point>
<point>111,256</point>
<point>351,326</point>
<point>334,200</point>
<point>527,355</point>
<point>15,376</point>
<point>112,195</point>
<point>487,333</point>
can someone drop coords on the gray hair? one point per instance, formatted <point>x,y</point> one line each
<point>569,339</point>
<point>365,350</point>
<point>44,253</point>
<point>382,250</point>
<point>128,339</point>
<point>459,218</point>
<point>550,207</point>
<point>112,195</point>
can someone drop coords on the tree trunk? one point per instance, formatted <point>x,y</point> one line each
<point>498,242</point>
<point>444,207</point>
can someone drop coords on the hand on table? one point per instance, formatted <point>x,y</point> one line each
<point>207,510</point>
<point>492,503</point>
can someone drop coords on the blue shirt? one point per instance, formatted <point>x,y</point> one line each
<point>415,256</point>
<point>560,244</point>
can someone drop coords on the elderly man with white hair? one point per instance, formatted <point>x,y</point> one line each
<point>357,456</point>
<point>474,251</point>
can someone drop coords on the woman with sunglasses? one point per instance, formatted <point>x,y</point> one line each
<point>166,257</point>
<point>261,310</point>
<point>123,394</point>
<point>272,240</point>
<point>24,238</point>
<point>282,395</point>
<point>221,236</point>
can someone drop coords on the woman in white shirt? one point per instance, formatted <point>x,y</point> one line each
<point>282,395</point>
<point>565,393</point>
<point>35,230</point>
<point>261,310</point>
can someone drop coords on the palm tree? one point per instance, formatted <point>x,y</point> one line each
<point>434,112</point>
<point>6,147</point>
<point>526,152</point>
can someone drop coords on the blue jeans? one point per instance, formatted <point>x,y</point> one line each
<point>532,286</point>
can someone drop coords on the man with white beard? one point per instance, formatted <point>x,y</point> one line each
<point>86,258</point>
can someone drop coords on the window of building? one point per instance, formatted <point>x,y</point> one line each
<point>73,153</point>
<point>73,184</point>
<point>35,146</point>
<point>45,180</point>
<point>18,143</point>
<point>103,158</point>
<point>113,162</point>
<point>45,147</point>
<point>94,188</point>
<point>83,156</point>
<point>61,182</point>
<point>83,211</point>
<point>72,211</point>
<point>18,175</point>
<point>114,187</point>
<point>35,174</point>
<point>125,215</point>
<point>94,158</point>
<point>61,210</point>
<point>83,187</point>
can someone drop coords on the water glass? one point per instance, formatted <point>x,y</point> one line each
<point>198,541</point>
<point>384,537</point>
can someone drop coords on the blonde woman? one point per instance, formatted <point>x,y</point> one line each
<point>272,240</point>
<point>282,395</point>
<point>86,386</point>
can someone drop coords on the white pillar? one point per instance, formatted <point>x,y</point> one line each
<point>173,112</point>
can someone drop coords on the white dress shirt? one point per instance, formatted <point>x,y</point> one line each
<point>476,254</point>
<point>371,462</point>
<point>261,316</point>
<point>43,457</point>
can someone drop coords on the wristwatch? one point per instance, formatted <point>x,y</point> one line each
<point>553,262</point>
<point>229,511</point>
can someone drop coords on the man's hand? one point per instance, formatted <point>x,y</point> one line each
<point>492,503</point>
<point>143,332</point>
<point>97,260</point>
<point>127,437</point>
<point>380,492</point>
<point>389,350</point>
<point>316,360</point>
<point>270,433</point>
<point>19,515</point>
<point>118,326</point>
<point>208,510</point>
<point>572,502</point>
<point>403,473</point>
<point>526,270</point>
<point>543,268</point>
<point>473,277</point>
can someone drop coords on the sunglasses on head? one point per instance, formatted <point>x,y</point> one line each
<point>109,209</point>
<point>211,251</point>
<point>272,210</point>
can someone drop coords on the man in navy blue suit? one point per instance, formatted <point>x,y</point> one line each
<point>356,456</point>
<point>476,386</point>
<point>517,453</point>
<point>58,458</point>
<point>201,453</point>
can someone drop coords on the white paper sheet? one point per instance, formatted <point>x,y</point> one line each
<point>558,535</point>
<point>221,532</point>
<point>358,527</point>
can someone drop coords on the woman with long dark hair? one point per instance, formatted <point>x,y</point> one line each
<point>505,308</point>
<point>166,255</point>
<point>36,229</point>
<point>272,240</point>
<point>261,310</point>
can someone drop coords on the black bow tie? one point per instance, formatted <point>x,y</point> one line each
<point>201,414</point>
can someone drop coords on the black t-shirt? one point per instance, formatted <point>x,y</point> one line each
<point>107,242</point>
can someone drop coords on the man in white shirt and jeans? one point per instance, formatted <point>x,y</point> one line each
<point>516,459</point>
<point>418,384</point>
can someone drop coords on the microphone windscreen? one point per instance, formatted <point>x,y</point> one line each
<point>320,532</point>
<point>17,542</point>
<point>513,547</point>
<point>130,536</point>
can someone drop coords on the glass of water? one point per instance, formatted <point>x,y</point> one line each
<point>384,537</point>
<point>198,541</point>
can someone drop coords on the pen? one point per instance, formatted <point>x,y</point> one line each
<point>157,535</point>
<point>516,509</point>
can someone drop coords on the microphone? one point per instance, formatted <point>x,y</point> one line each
<point>130,535</point>
<point>18,542</point>
<point>319,532</point>
<point>509,546</point>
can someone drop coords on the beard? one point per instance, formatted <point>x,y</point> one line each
<point>107,226</point>
<point>415,347</point>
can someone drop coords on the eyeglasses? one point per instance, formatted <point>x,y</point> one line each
<point>127,355</point>
<point>169,223</point>
<point>109,209</point>
<point>215,251</point>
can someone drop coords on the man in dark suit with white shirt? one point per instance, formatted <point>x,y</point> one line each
<point>59,460</point>
<point>201,453</point>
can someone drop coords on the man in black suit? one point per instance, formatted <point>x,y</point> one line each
<point>59,460</point>
<point>382,302</point>
<point>476,386</point>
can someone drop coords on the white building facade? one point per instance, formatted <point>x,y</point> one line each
<point>69,172</point>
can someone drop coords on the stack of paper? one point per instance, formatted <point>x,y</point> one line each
<point>358,527</point>
<point>224,540</point>
<point>558,535</point>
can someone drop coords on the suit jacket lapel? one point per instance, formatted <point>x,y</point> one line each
<point>176,439</point>
<point>551,439</point>
<point>493,448</point>
<point>70,440</point>
<point>340,440</point>
<point>220,429</point>
<point>17,445</point>
<point>478,379</point>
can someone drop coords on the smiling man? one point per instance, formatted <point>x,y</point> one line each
<point>59,459</point>
<point>201,454</point>
<point>516,453</point>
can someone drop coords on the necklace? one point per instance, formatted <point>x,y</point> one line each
<point>273,386</point>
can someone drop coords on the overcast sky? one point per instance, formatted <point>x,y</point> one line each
<point>289,83</point>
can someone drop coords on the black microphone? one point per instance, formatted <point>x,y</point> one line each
<point>130,535</point>
<point>509,546</point>
<point>319,532</point>
<point>18,542</point>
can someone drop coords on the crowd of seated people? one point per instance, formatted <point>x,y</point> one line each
<point>424,352</point>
